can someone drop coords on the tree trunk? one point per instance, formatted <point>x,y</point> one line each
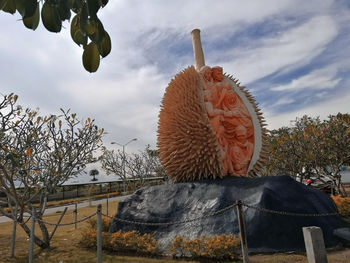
<point>343,190</point>
<point>37,241</point>
<point>44,231</point>
<point>340,187</point>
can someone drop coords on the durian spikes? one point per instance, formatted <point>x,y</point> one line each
<point>187,144</point>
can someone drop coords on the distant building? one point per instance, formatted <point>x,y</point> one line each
<point>345,174</point>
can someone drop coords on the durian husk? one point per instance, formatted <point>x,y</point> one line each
<point>188,145</point>
<point>262,152</point>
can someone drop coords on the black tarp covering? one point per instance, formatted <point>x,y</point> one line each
<point>266,232</point>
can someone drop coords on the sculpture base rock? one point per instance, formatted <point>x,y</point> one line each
<point>266,232</point>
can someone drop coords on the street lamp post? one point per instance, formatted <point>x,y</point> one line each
<point>124,172</point>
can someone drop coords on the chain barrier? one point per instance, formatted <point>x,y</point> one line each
<point>218,212</point>
<point>287,213</point>
<point>107,216</point>
<point>174,222</point>
<point>67,224</point>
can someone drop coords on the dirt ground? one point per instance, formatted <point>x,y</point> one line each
<point>65,247</point>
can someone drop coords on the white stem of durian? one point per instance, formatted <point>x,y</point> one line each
<point>197,49</point>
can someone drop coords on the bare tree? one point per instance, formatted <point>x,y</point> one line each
<point>152,158</point>
<point>37,154</point>
<point>137,166</point>
<point>138,169</point>
<point>112,163</point>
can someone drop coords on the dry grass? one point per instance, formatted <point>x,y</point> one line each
<point>65,246</point>
<point>342,256</point>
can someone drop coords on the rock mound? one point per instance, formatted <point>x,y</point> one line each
<point>266,232</point>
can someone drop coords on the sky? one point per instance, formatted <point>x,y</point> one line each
<point>292,55</point>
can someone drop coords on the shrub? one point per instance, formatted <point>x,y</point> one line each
<point>218,247</point>
<point>343,205</point>
<point>159,182</point>
<point>89,238</point>
<point>133,241</point>
<point>125,242</point>
<point>106,223</point>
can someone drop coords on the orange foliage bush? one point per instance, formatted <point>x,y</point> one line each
<point>89,238</point>
<point>343,205</point>
<point>134,241</point>
<point>120,241</point>
<point>218,247</point>
<point>106,223</point>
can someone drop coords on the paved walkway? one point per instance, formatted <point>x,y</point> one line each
<point>52,210</point>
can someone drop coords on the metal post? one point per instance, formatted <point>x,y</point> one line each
<point>107,204</point>
<point>75,215</point>
<point>99,233</point>
<point>31,240</point>
<point>13,240</point>
<point>59,221</point>
<point>242,232</point>
<point>90,199</point>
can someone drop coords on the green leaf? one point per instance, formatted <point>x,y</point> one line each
<point>64,9</point>
<point>91,57</point>
<point>26,8</point>
<point>103,2</point>
<point>93,7</point>
<point>90,27</point>
<point>9,6</point>
<point>2,4</point>
<point>30,7</point>
<point>99,33</point>
<point>84,16</point>
<point>76,5</point>
<point>33,21</point>
<point>78,36</point>
<point>20,7</point>
<point>106,45</point>
<point>74,25</point>
<point>51,18</point>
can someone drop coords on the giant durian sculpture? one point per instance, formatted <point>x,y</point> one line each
<point>209,126</point>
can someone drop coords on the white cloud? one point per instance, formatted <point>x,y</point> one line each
<point>185,15</point>
<point>45,69</point>
<point>128,104</point>
<point>295,47</point>
<point>283,101</point>
<point>325,78</point>
<point>323,109</point>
